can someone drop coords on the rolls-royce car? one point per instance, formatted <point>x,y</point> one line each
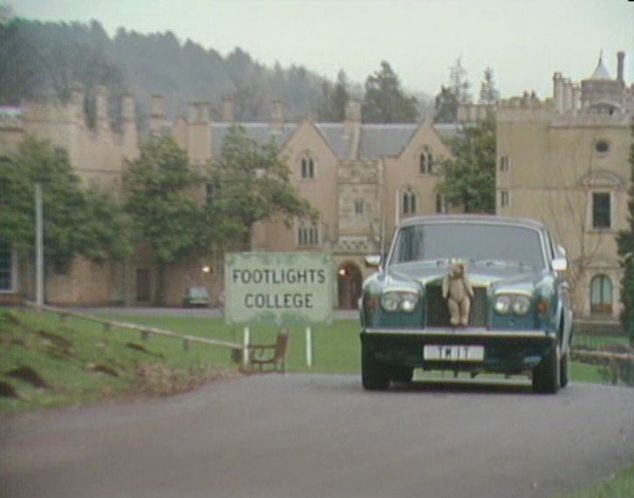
<point>467,293</point>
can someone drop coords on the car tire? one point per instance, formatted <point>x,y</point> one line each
<point>403,375</point>
<point>547,375</point>
<point>374,375</point>
<point>565,369</point>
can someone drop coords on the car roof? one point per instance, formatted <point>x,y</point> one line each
<point>473,218</point>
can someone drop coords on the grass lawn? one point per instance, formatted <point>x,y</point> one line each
<point>621,486</point>
<point>82,363</point>
<point>335,347</point>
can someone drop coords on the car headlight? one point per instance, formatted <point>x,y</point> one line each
<point>521,305</point>
<point>390,301</point>
<point>502,304</point>
<point>408,301</point>
<point>512,303</point>
<point>399,301</point>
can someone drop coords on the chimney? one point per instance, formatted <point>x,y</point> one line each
<point>620,62</point>
<point>352,126</point>
<point>77,103</point>
<point>127,108</point>
<point>558,92</point>
<point>228,109</point>
<point>353,116</point>
<point>158,106</point>
<point>157,114</point>
<point>567,95</point>
<point>277,117</point>
<point>101,108</point>
<point>576,98</point>
<point>128,115</point>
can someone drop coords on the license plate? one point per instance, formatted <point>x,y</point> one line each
<point>437,352</point>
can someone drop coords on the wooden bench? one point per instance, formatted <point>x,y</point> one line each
<point>262,356</point>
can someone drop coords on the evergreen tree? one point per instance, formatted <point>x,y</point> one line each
<point>489,94</point>
<point>334,99</point>
<point>452,95</point>
<point>385,101</point>
<point>458,82</point>
<point>468,179</point>
<point>446,106</point>
<point>625,242</point>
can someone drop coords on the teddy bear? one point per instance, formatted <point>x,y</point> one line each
<point>456,288</point>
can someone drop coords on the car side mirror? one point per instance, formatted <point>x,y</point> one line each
<point>560,264</point>
<point>373,261</point>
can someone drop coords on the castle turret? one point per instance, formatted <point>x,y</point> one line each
<point>228,109</point>
<point>277,115</point>
<point>198,132</point>
<point>102,121</point>
<point>158,120</point>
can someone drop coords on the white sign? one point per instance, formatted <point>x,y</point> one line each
<point>280,288</point>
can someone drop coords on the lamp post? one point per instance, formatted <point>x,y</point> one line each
<point>39,248</point>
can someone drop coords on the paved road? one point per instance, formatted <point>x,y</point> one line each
<point>322,436</point>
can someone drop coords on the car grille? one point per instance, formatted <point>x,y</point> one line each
<point>438,313</point>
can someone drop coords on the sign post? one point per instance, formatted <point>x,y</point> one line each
<point>282,289</point>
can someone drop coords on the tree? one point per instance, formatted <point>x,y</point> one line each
<point>446,106</point>
<point>334,99</point>
<point>76,221</point>
<point>459,83</point>
<point>385,101</point>
<point>625,243</point>
<point>452,95</point>
<point>489,94</point>
<point>158,189</point>
<point>468,179</point>
<point>250,184</point>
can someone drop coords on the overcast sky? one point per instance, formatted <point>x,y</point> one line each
<point>524,41</point>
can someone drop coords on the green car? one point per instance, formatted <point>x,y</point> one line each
<point>467,293</point>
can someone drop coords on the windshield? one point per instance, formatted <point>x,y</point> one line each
<point>469,241</point>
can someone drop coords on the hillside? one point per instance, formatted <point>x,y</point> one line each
<point>43,59</point>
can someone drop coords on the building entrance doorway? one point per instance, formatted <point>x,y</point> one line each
<point>143,287</point>
<point>349,282</point>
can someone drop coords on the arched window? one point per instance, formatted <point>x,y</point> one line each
<point>426,162</point>
<point>409,202</point>
<point>601,295</point>
<point>307,167</point>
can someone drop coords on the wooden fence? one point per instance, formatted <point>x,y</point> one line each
<point>143,329</point>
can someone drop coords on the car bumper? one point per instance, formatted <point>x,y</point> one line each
<point>508,351</point>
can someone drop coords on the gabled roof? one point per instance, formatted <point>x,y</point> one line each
<point>378,140</point>
<point>335,134</point>
<point>375,141</point>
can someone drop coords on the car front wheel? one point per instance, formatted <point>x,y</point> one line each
<point>565,368</point>
<point>547,375</point>
<point>374,375</point>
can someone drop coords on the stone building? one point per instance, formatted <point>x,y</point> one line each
<point>564,161</point>
<point>361,178</point>
<point>98,155</point>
